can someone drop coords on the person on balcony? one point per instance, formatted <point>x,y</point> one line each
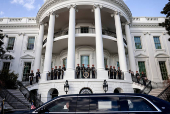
<point>55,72</point>
<point>119,73</point>
<point>114,72</point>
<point>37,75</point>
<point>31,77</point>
<point>63,69</point>
<point>78,71</point>
<point>83,69</point>
<point>137,76</point>
<point>107,69</point>
<point>59,72</point>
<point>88,69</point>
<point>93,71</point>
<point>111,72</point>
<point>52,74</point>
<point>144,78</point>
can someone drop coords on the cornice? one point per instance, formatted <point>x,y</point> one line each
<point>49,3</point>
<point>18,26</point>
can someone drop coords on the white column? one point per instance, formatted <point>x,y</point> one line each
<point>70,73</point>
<point>120,43</point>
<point>49,47</point>
<point>130,48</point>
<point>101,73</point>
<point>39,44</point>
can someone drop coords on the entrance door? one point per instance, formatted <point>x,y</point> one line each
<point>26,71</point>
<point>163,69</point>
<point>85,60</point>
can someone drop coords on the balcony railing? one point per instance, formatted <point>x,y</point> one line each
<point>85,31</point>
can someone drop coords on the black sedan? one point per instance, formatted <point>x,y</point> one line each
<point>102,103</point>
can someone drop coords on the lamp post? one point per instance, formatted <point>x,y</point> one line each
<point>66,86</point>
<point>105,86</point>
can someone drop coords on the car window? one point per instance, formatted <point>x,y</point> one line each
<point>62,105</point>
<point>103,104</point>
<point>82,104</point>
<point>135,104</point>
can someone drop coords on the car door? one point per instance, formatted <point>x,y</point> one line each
<point>105,104</point>
<point>65,105</point>
<point>82,105</point>
<point>137,105</point>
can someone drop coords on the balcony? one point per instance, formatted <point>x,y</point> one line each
<point>84,30</point>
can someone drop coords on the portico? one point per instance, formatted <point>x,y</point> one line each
<point>98,34</point>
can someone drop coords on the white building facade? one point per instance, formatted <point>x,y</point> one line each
<point>98,32</point>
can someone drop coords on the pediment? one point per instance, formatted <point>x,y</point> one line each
<point>162,55</point>
<point>27,57</point>
<point>141,56</point>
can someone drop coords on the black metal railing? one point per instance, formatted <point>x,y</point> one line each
<point>147,89</point>
<point>165,95</point>
<point>53,76</point>
<point>60,33</point>
<point>109,33</point>
<point>85,31</point>
<point>29,95</point>
<point>86,75</point>
<point>12,100</point>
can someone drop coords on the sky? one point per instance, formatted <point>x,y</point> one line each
<point>29,8</point>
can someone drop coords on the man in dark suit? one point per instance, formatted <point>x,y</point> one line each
<point>114,72</point>
<point>59,72</point>
<point>111,72</point>
<point>93,71</point>
<point>55,72</point>
<point>31,77</point>
<point>88,69</point>
<point>37,75</point>
<point>78,71</point>
<point>63,69</point>
<point>83,69</point>
<point>119,73</point>
<point>52,73</point>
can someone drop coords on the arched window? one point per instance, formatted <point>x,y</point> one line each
<point>85,91</point>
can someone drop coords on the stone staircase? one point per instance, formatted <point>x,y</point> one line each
<point>19,95</point>
<point>156,92</point>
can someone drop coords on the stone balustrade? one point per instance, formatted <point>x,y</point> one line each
<point>17,20</point>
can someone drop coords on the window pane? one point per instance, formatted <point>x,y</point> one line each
<point>30,43</point>
<point>163,70</point>
<point>137,42</point>
<point>141,65</point>
<point>62,105</point>
<point>102,104</point>
<point>6,65</point>
<point>11,43</point>
<point>82,104</point>
<point>85,60</point>
<point>136,104</point>
<point>84,29</point>
<point>26,71</point>
<point>65,62</point>
<point>157,42</point>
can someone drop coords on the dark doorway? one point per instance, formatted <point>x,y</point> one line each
<point>54,93</point>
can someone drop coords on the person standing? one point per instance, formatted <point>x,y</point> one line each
<point>137,76</point>
<point>59,72</point>
<point>88,69</point>
<point>143,78</point>
<point>31,77</point>
<point>114,72</point>
<point>111,72</point>
<point>93,71</point>
<point>119,73</point>
<point>37,75</point>
<point>83,69</point>
<point>78,71</point>
<point>52,74</point>
<point>55,72</point>
<point>107,69</point>
<point>63,69</point>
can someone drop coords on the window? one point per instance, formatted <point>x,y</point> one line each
<point>163,69</point>
<point>141,65</point>
<point>26,72</point>
<point>118,65</point>
<point>105,62</point>
<point>30,43</point>
<point>85,60</point>
<point>6,65</point>
<point>62,105</point>
<point>11,43</point>
<point>137,42</point>
<point>135,104</point>
<point>65,62</point>
<point>84,29</point>
<point>157,42</point>
<point>82,104</point>
<point>102,104</point>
